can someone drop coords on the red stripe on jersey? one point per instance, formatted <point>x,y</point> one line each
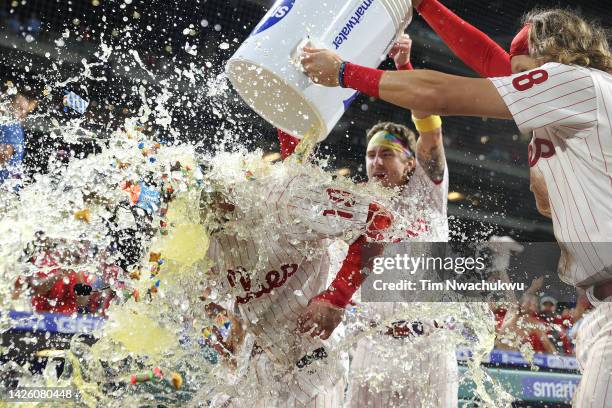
<point>548,89</point>
<point>281,195</point>
<point>569,116</point>
<point>569,214</point>
<point>305,260</point>
<point>586,142</point>
<point>565,211</point>
<point>556,221</point>
<point>548,101</point>
<point>280,262</point>
<point>603,156</point>
<point>558,109</point>
<point>605,402</point>
<point>603,99</point>
<point>583,192</point>
<point>580,215</point>
<point>577,126</point>
<point>291,281</point>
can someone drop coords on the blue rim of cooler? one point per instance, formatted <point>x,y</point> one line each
<point>283,6</point>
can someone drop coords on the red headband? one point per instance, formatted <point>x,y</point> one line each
<point>520,43</point>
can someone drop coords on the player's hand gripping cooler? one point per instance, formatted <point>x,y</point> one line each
<point>266,70</point>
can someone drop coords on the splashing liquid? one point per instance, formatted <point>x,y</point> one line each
<point>157,317</point>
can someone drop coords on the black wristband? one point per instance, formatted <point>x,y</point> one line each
<point>341,74</point>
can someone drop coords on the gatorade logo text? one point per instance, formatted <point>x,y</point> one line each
<point>277,13</point>
<point>352,23</point>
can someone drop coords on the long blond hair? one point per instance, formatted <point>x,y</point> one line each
<point>558,35</point>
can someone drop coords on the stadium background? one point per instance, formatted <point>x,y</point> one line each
<point>487,158</point>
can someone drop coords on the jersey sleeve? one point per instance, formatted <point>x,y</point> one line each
<point>552,95</point>
<point>472,46</point>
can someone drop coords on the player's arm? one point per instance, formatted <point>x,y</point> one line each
<point>427,91</point>
<point>325,311</point>
<point>430,147</point>
<point>551,95</point>
<point>471,45</point>
<point>442,94</point>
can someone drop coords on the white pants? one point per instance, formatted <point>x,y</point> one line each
<point>389,372</point>
<point>594,355</point>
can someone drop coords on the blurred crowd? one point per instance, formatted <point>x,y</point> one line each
<point>64,280</point>
<point>539,323</point>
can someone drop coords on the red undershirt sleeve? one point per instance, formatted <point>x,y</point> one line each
<point>287,143</point>
<point>472,46</point>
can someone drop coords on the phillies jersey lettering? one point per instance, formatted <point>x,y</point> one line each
<point>273,279</point>
<point>540,148</point>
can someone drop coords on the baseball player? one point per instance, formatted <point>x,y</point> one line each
<point>276,269</point>
<point>395,160</point>
<point>391,368</point>
<point>563,97</point>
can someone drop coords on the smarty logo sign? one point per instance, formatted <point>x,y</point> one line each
<point>550,389</point>
<point>276,14</point>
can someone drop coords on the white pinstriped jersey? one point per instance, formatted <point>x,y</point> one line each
<point>415,371</point>
<point>422,197</point>
<point>278,261</point>
<point>569,110</point>
<point>424,203</point>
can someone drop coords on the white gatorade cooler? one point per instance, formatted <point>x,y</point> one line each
<point>265,70</point>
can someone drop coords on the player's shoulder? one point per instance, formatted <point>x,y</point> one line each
<point>559,69</point>
<point>569,70</point>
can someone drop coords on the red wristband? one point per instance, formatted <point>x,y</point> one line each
<point>363,79</point>
<point>406,67</point>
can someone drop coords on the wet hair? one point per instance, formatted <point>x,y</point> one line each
<point>559,35</point>
<point>406,135</point>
